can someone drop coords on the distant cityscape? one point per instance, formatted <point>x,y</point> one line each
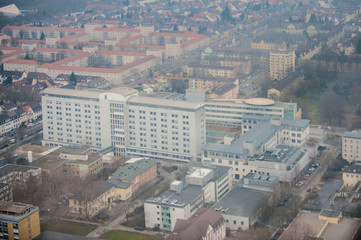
<point>180,120</point>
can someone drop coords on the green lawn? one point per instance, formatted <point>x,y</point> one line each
<point>80,229</point>
<point>116,235</point>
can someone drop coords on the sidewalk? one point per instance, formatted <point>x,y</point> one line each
<point>115,225</point>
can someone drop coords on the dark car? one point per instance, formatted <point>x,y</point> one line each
<point>309,190</point>
<point>139,228</point>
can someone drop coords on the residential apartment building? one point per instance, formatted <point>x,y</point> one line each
<point>19,221</point>
<point>91,200</point>
<point>285,86</point>
<point>281,63</point>
<point>241,65</point>
<point>184,198</point>
<point>351,175</point>
<point>210,84</point>
<point>133,125</point>
<point>131,177</point>
<point>261,44</point>
<point>351,146</point>
<point>205,224</point>
<point>196,69</point>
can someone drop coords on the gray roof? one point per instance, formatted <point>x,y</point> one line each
<point>241,202</point>
<point>353,169</point>
<point>259,134</point>
<point>185,197</point>
<point>123,176</point>
<point>281,154</point>
<point>196,227</point>
<point>353,134</point>
<point>303,123</point>
<point>8,168</point>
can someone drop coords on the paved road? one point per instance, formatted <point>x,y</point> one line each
<point>317,174</point>
<point>115,224</point>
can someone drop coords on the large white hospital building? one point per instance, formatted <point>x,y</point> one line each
<point>133,125</point>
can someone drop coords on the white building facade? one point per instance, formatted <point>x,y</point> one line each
<point>133,125</point>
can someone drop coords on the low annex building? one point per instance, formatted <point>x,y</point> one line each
<point>74,159</point>
<point>131,177</point>
<point>205,224</point>
<point>201,185</point>
<point>91,200</point>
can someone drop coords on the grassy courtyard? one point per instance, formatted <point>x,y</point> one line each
<point>55,225</point>
<point>115,235</point>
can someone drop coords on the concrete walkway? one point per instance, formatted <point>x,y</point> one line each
<point>115,224</point>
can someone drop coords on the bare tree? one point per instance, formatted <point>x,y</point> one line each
<point>259,233</point>
<point>298,231</point>
<point>86,198</point>
<point>28,190</point>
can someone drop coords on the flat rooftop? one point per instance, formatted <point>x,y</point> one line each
<point>89,93</point>
<point>9,168</point>
<point>353,134</point>
<point>199,172</point>
<point>15,211</point>
<point>172,198</point>
<point>353,169</point>
<point>160,102</point>
<point>280,154</point>
<point>52,160</point>
<point>242,202</point>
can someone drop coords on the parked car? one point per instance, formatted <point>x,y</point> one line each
<point>139,228</point>
<point>309,190</point>
<point>159,233</point>
<point>12,141</point>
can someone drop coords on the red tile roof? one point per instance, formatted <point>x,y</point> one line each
<point>74,36</point>
<point>22,61</point>
<point>117,30</point>
<point>121,53</point>
<point>44,28</point>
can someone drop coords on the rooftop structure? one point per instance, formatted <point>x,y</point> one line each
<point>240,207</point>
<point>76,159</point>
<point>184,198</point>
<point>20,220</point>
<point>129,178</point>
<point>232,112</point>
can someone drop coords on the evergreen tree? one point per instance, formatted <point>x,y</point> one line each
<point>42,36</point>
<point>313,18</point>
<point>72,79</point>
<point>358,47</point>
<point>226,15</point>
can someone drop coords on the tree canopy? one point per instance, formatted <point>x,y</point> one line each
<point>72,79</point>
